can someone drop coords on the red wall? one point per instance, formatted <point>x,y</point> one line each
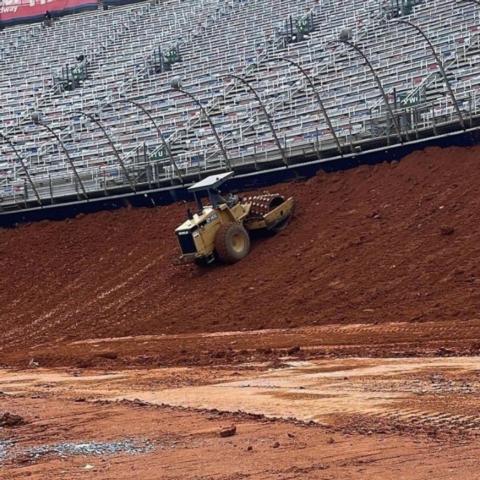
<point>16,10</point>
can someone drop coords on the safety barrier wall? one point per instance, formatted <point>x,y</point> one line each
<point>240,182</point>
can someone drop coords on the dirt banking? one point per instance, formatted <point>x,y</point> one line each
<point>386,243</point>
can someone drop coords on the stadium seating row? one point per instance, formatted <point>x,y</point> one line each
<point>216,38</point>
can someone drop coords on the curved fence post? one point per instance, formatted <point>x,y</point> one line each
<point>24,167</point>
<point>97,122</point>
<point>440,66</point>
<point>37,121</point>
<point>165,144</point>
<point>318,98</point>
<point>267,116</point>
<point>177,86</point>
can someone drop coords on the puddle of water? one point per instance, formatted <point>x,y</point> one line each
<point>4,448</point>
<point>129,447</point>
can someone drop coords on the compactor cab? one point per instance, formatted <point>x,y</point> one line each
<point>220,229</point>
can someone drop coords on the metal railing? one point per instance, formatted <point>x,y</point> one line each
<point>425,120</point>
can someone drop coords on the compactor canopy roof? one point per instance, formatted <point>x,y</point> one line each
<point>212,181</point>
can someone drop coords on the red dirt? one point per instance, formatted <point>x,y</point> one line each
<point>188,446</point>
<point>390,243</point>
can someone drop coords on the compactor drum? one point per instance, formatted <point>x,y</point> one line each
<point>221,229</point>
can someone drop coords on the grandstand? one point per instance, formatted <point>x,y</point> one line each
<point>114,68</point>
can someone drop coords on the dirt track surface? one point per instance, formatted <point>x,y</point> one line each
<point>400,339</point>
<point>379,263</point>
<point>365,419</point>
<point>390,243</point>
<point>188,446</point>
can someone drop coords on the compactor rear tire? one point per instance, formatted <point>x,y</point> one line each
<point>232,243</point>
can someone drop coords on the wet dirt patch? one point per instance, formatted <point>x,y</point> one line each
<point>128,447</point>
<point>5,446</point>
<point>65,450</point>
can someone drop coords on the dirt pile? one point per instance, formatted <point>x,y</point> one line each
<point>390,243</point>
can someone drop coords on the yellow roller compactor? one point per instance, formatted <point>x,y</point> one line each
<point>221,229</point>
